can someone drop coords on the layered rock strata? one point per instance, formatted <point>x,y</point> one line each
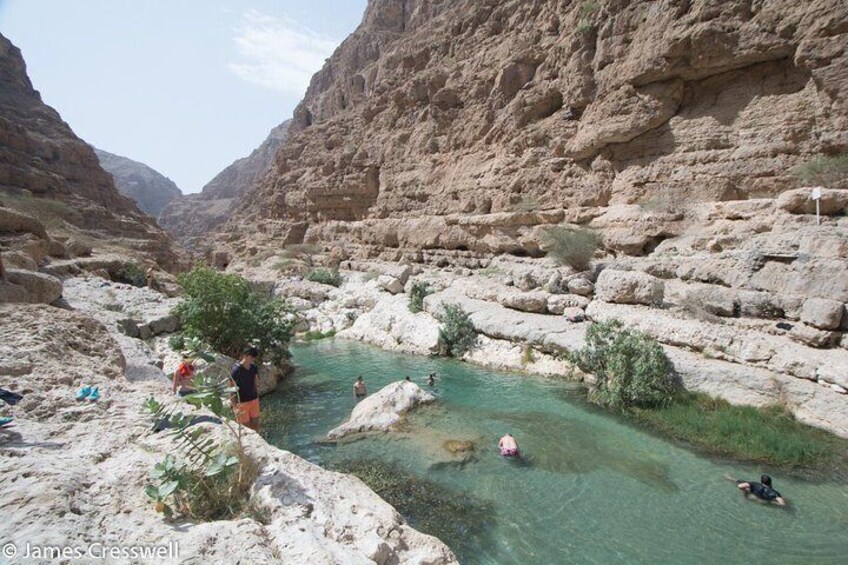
<point>492,109</point>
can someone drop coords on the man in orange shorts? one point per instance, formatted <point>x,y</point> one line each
<point>244,376</point>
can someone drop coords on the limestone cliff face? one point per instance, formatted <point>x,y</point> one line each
<point>45,168</point>
<point>438,108</point>
<point>191,218</point>
<point>150,189</point>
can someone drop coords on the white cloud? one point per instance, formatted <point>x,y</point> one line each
<point>278,53</point>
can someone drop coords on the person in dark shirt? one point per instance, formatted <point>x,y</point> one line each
<point>244,376</point>
<point>762,490</point>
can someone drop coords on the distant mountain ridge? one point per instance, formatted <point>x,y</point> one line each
<point>192,217</point>
<point>151,190</point>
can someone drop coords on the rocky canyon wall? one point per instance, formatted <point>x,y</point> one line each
<point>433,109</point>
<point>54,177</point>
<point>191,218</point>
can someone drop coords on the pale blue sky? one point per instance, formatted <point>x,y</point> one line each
<point>186,86</point>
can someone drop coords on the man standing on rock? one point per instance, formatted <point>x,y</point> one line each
<point>244,375</point>
<point>359,388</point>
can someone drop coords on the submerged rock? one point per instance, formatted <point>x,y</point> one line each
<point>383,410</point>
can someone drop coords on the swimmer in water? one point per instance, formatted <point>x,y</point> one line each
<point>508,446</point>
<point>760,490</point>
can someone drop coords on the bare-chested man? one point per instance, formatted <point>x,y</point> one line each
<point>359,388</point>
<point>508,446</point>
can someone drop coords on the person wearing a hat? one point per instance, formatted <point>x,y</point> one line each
<point>184,375</point>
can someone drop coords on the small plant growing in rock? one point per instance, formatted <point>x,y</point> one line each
<point>456,334</point>
<point>325,276</point>
<point>212,478</point>
<point>631,368</point>
<point>225,312</point>
<point>417,293</point>
<point>586,10</point>
<point>131,273</point>
<point>527,355</point>
<point>825,171</point>
<point>574,247</point>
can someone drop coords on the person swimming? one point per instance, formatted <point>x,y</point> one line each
<point>762,490</point>
<point>508,446</point>
<point>431,380</point>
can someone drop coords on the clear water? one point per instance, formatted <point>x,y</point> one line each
<point>595,490</point>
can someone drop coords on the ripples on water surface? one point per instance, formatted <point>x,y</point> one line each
<point>594,490</point>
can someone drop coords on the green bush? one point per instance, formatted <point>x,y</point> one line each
<point>176,342</point>
<point>456,334</point>
<point>224,311</point>
<point>131,273</point>
<point>324,276</point>
<point>825,171</point>
<point>419,290</point>
<point>211,479</point>
<point>631,368</point>
<point>574,247</point>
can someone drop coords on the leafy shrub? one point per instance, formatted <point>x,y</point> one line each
<point>131,273</point>
<point>825,171</point>
<point>456,334</point>
<point>419,290</point>
<point>324,276</point>
<point>224,311</point>
<point>574,247</point>
<point>176,342</point>
<point>631,368</point>
<point>211,480</point>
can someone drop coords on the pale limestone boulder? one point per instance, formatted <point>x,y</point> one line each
<point>813,337</point>
<point>39,287</point>
<point>390,325</point>
<point>383,410</point>
<point>77,248</point>
<point>19,260</point>
<point>558,303</point>
<point>834,201</point>
<point>12,221</point>
<point>581,286</point>
<point>531,301</point>
<point>390,284</point>
<point>629,287</point>
<point>822,313</point>
<point>307,290</point>
<point>554,333</point>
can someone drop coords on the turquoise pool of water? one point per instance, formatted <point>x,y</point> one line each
<point>595,490</point>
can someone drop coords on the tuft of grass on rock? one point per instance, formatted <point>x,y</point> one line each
<point>315,335</point>
<point>324,276</point>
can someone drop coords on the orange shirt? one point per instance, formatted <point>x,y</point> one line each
<point>185,371</point>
